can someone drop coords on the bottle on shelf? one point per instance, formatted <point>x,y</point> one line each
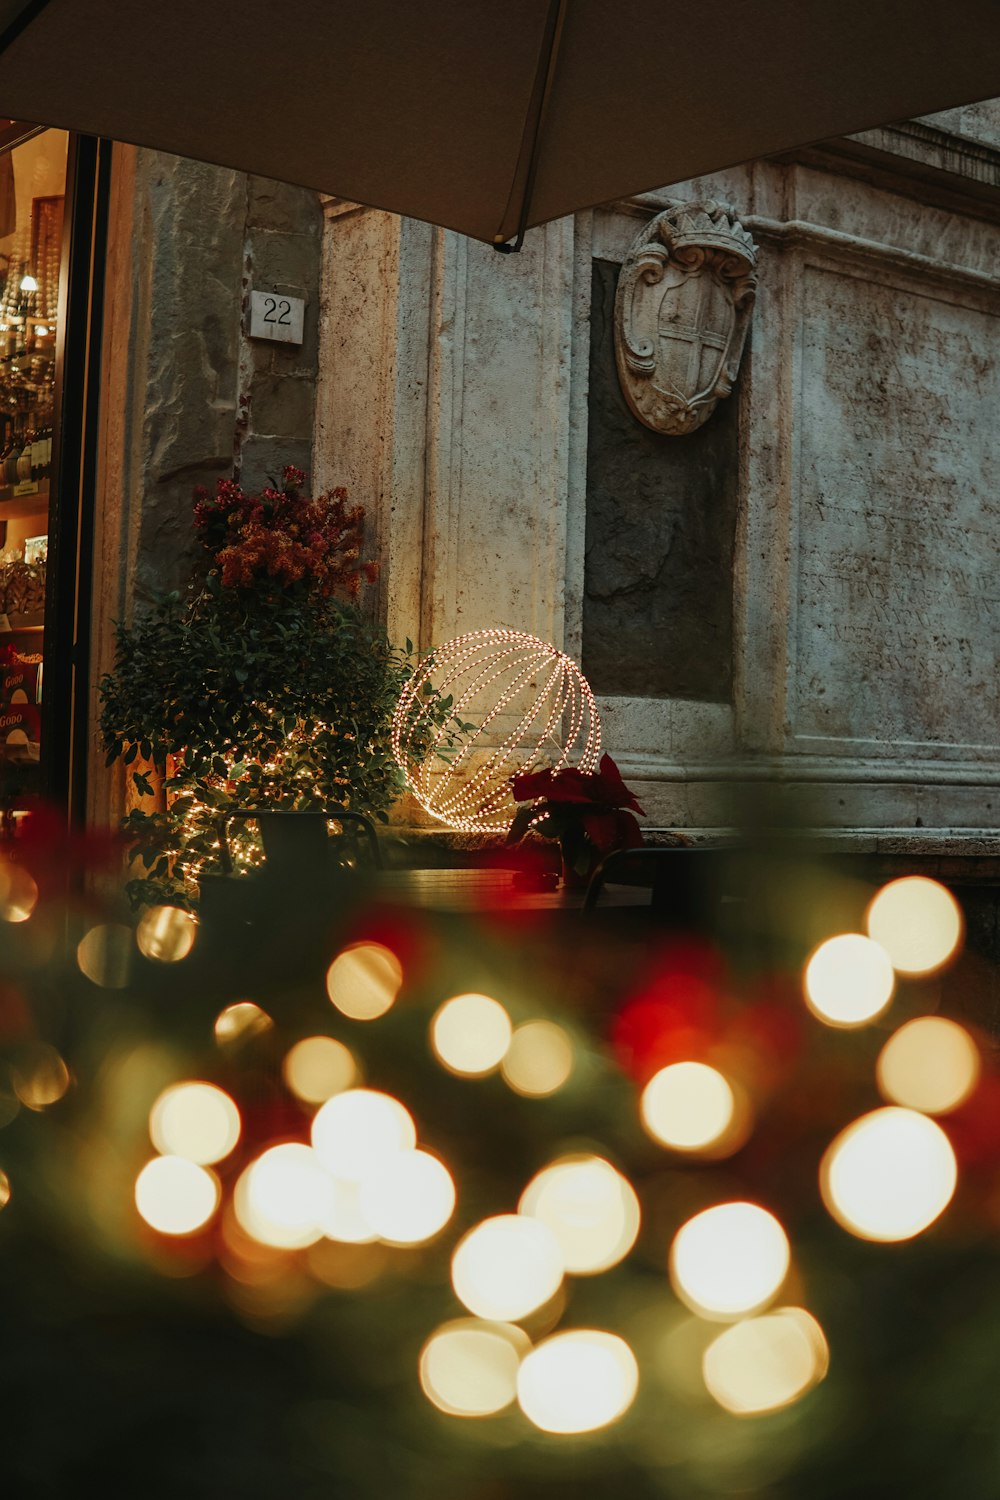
<point>24,461</point>
<point>10,460</point>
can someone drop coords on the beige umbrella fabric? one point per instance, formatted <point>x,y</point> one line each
<point>489,115</point>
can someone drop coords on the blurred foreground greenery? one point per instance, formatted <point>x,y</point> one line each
<point>133,1364</point>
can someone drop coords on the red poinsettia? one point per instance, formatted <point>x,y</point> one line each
<point>589,812</point>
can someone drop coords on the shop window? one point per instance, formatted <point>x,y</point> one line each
<point>54,192</point>
<point>32,204</point>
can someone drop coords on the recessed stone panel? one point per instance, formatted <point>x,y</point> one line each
<point>897,631</point>
<point>661,516</point>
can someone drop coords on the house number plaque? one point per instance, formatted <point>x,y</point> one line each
<point>275,317</point>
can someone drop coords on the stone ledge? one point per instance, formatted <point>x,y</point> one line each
<point>931,148</point>
<point>442,845</point>
<point>917,159</point>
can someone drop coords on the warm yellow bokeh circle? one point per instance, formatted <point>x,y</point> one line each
<point>848,980</point>
<point>688,1106</point>
<point>918,923</point>
<point>889,1175</point>
<point>468,1367</point>
<point>470,1034</point>
<point>591,1209</point>
<point>577,1381</point>
<point>930,1064</point>
<point>762,1364</point>
<point>506,1267</point>
<point>729,1260</point>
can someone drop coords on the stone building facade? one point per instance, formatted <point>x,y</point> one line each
<point>798,599</point>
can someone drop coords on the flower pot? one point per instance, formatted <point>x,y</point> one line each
<point>294,841</point>
<point>580,859</point>
<point>573,880</point>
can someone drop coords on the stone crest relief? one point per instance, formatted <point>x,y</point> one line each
<point>682,310</point>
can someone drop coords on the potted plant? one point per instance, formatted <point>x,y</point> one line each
<point>588,813</point>
<point>264,687</point>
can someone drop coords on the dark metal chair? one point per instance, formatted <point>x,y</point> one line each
<point>295,840</point>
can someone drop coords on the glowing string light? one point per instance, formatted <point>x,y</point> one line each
<point>496,678</point>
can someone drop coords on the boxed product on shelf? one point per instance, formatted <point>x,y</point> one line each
<point>19,727</point>
<point>20,682</point>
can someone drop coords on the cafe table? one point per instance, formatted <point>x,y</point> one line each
<point>488,891</point>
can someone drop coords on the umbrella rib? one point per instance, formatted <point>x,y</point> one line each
<point>544,78</point>
<point>21,22</point>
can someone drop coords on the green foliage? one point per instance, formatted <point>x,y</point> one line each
<point>249,699</point>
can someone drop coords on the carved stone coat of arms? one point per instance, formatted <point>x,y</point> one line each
<point>682,311</point>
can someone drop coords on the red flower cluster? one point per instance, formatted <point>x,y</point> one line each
<point>598,801</point>
<point>284,536</point>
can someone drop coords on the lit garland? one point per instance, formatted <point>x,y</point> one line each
<point>200,823</point>
<point>198,836</point>
<point>489,674</point>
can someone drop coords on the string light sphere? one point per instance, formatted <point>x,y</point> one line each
<point>529,705</point>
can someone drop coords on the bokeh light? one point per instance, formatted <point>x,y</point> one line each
<point>889,1175</point>
<point>688,1106</point>
<point>577,1381</point>
<point>410,1199</point>
<point>356,1133</point>
<point>470,1034</point>
<point>729,1260</point>
<point>194,1120</point>
<point>539,1059</point>
<point>240,1022</point>
<point>848,980</point>
<point>931,1064</point>
<point>175,1196</point>
<point>285,1198</point>
<point>18,893</point>
<point>4,1189</point>
<point>347,1266</point>
<point>318,1067</point>
<point>506,1267</point>
<point>918,923</point>
<point>364,980</point>
<point>39,1076</point>
<point>591,1209</point>
<point>104,955</point>
<point>468,1368</point>
<point>166,933</point>
<point>345,1221</point>
<point>765,1363</point>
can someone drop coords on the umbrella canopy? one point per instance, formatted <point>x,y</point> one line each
<point>487,116</point>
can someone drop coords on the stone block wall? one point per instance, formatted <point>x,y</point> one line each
<point>188,398</point>
<point>281,254</point>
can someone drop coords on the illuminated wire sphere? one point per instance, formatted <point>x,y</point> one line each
<point>529,705</point>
